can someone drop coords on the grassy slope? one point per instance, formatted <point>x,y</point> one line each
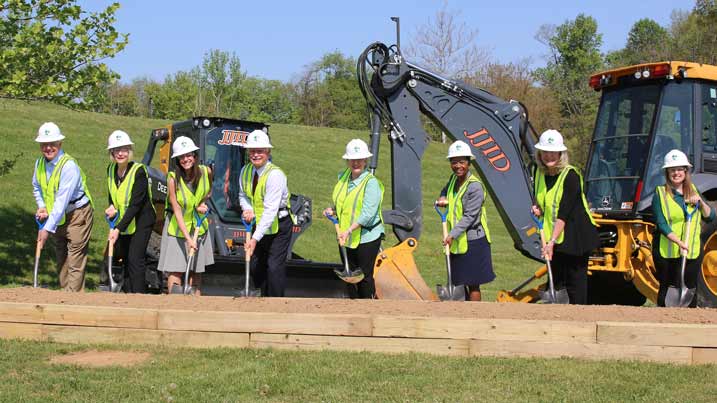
<point>232,375</point>
<point>310,156</point>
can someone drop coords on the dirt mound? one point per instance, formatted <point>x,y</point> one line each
<point>487,310</point>
<point>94,358</point>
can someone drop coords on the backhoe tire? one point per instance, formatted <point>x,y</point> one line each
<point>612,289</point>
<point>153,277</point>
<point>707,279</point>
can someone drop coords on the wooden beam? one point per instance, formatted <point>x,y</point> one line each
<point>657,334</point>
<point>81,315</point>
<point>591,351</point>
<point>268,322</point>
<point>485,329</point>
<point>704,355</point>
<point>372,344</point>
<point>27,331</point>
<point>105,335</point>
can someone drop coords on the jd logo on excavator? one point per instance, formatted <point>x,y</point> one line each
<point>483,141</point>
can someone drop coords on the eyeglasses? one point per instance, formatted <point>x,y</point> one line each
<point>676,169</point>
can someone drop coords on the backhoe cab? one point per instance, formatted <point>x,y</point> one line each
<point>221,147</point>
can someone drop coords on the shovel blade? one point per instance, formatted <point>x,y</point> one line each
<point>561,297</point>
<point>352,277</point>
<point>679,297</point>
<point>451,293</point>
<point>176,289</point>
<point>250,293</point>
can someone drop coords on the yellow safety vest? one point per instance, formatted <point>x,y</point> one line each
<point>455,212</point>
<point>549,201</point>
<point>122,194</point>
<point>675,217</point>
<point>350,203</point>
<point>256,196</point>
<point>49,187</point>
<point>188,201</point>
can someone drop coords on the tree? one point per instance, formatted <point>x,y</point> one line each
<point>574,55</point>
<point>51,49</point>
<point>646,42</point>
<point>446,45</point>
<point>694,37</point>
<point>222,75</point>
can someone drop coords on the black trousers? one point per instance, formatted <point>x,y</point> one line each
<point>132,249</point>
<point>269,260</point>
<point>364,257</point>
<point>571,272</point>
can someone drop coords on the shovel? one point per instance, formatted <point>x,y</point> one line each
<point>551,296</point>
<point>683,296</point>
<point>114,287</point>
<point>186,290</point>
<point>347,275</point>
<point>38,252</point>
<point>449,292</point>
<point>247,292</point>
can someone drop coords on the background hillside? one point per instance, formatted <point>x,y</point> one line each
<point>310,156</point>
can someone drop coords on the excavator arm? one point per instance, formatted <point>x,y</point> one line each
<point>498,131</point>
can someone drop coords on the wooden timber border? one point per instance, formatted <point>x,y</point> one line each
<point>657,342</point>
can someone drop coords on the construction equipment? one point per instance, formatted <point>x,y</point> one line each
<point>247,291</point>
<point>114,286</point>
<point>645,111</point>
<point>38,252</point>
<point>221,147</point>
<point>187,289</point>
<point>683,296</point>
<point>550,296</point>
<point>347,275</point>
<point>449,292</point>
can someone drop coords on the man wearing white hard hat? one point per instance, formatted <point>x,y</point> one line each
<point>64,206</point>
<point>130,209</point>
<point>357,199</point>
<point>568,227</point>
<point>468,238</point>
<point>677,196</point>
<point>264,197</point>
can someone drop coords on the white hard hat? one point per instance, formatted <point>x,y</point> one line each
<point>49,133</point>
<point>183,145</point>
<point>459,149</point>
<point>118,138</point>
<point>356,149</point>
<point>676,158</point>
<point>258,139</point>
<point>551,140</point>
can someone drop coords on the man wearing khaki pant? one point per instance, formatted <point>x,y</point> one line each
<point>64,205</point>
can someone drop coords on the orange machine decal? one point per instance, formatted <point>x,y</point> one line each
<point>483,141</point>
<point>230,137</point>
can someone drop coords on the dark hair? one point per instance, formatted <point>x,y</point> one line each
<point>193,175</point>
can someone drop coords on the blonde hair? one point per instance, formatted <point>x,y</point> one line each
<point>687,190</point>
<point>130,154</point>
<point>562,163</point>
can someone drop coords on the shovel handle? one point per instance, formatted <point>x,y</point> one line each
<point>337,228</point>
<point>247,237</point>
<point>443,213</point>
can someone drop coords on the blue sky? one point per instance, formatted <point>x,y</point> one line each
<point>277,39</point>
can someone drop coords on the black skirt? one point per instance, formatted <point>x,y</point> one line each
<point>474,267</point>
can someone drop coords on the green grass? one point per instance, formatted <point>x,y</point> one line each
<point>310,156</point>
<point>233,375</point>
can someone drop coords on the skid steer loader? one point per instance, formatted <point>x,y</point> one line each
<point>220,142</point>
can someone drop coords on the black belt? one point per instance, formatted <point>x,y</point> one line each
<point>77,199</point>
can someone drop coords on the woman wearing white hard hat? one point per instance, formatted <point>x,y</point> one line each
<point>568,226</point>
<point>357,199</point>
<point>130,208</point>
<point>188,188</point>
<point>468,236</point>
<point>669,205</point>
<point>64,206</point>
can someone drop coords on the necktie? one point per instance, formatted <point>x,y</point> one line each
<point>254,181</point>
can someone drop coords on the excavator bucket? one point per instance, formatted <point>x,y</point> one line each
<point>397,276</point>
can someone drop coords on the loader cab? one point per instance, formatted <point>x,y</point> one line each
<point>646,111</point>
<point>221,147</point>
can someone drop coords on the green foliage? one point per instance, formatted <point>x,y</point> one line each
<point>694,37</point>
<point>327,94</point>
<point>8,164</point>
<point>646,42</point>
<point>574,55</point>
<point>51,49</point>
